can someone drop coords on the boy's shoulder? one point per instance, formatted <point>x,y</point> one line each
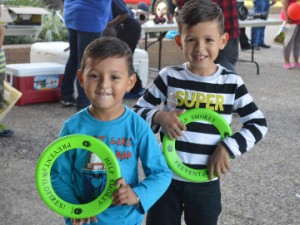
<point>75,117</point>
<point>229,76</point>
<point>174,67</point>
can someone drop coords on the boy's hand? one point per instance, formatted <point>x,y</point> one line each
<point>218,162</point>
<point>124,195</point>
<point>170,123</point>
<point>82,221</point>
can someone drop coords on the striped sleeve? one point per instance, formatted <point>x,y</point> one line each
<point>146,106</point>
<point>254,124</point>
<point>2,61</point>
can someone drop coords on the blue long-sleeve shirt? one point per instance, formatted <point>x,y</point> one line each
<point>131,139</point>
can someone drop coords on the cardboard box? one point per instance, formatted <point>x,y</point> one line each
<point>4,15</point>
<point>38,82</point>
<point>26,15</point>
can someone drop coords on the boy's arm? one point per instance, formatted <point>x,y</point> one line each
<point>146,108</point>
<point>254,125</point>
<point>157,174</point>
<point>61,178</point>
<point>147,105</point>
<point>62,175</point>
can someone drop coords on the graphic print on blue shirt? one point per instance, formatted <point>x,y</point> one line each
<point>94,178</point>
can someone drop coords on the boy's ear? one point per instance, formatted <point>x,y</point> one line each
<point>224,40</point>
<point>80,77</point>
<point>178,41</point>
<point>131,82</point>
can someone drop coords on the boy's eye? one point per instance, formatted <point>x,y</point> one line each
<point>93,76</point>
<point>190,40</point>
<point>114,77</point>
<point>209,40</point>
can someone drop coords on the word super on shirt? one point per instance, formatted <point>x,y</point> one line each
<point>223,92</point>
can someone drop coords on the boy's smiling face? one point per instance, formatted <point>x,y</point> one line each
<point>200,45</point>
<point>105,83</point>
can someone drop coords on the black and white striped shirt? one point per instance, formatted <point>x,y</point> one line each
<point>223,92</point>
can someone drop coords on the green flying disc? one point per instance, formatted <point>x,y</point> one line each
<point>43,179</point>
<point>173,161</point>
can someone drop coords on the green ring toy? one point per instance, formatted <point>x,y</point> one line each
<point>43,180</point>
<point>173,161</point>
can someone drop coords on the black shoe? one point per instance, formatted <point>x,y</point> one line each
<point>247,47</point>
<point>6,133</point>
<point>256,48</point>
<point>265,46</point>
<point>67,103</point>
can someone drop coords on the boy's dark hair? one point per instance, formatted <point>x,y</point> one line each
<point>106,47</point>
<point>199,11</point>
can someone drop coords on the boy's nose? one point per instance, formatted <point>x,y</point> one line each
<point>103,83</point>
<point>198,46</point>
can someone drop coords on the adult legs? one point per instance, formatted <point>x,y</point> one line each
<point>244,41</point>
<point>67,86</point>
<point>83,39</point>
<point>260,6</point>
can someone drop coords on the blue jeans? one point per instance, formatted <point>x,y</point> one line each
<point>77,41</point>
<point>258,33</point>
<point>200,202</point>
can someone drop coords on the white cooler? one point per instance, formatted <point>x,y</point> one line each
<point>56,52</point>
<point>38,82</point>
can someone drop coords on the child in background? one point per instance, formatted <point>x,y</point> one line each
<point>106,74</point>
<point>294,43</point>
<point>199,83</point>
<point>4,132</point>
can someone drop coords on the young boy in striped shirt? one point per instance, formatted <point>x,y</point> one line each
<point>199,83</point>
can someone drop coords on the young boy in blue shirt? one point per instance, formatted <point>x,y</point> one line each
<point>106,74</point>
<point>199,83</point>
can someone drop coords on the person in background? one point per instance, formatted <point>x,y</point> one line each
<point>124,26</point>
<point>106,74</point>
<point>229,55</point>
<point>258,33</point>
<point>199,83</point>
<point>243,38</point>
<point>53,4</point>
<point>4,132</point>
<point>86,21</point>
<point>294,43</point>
